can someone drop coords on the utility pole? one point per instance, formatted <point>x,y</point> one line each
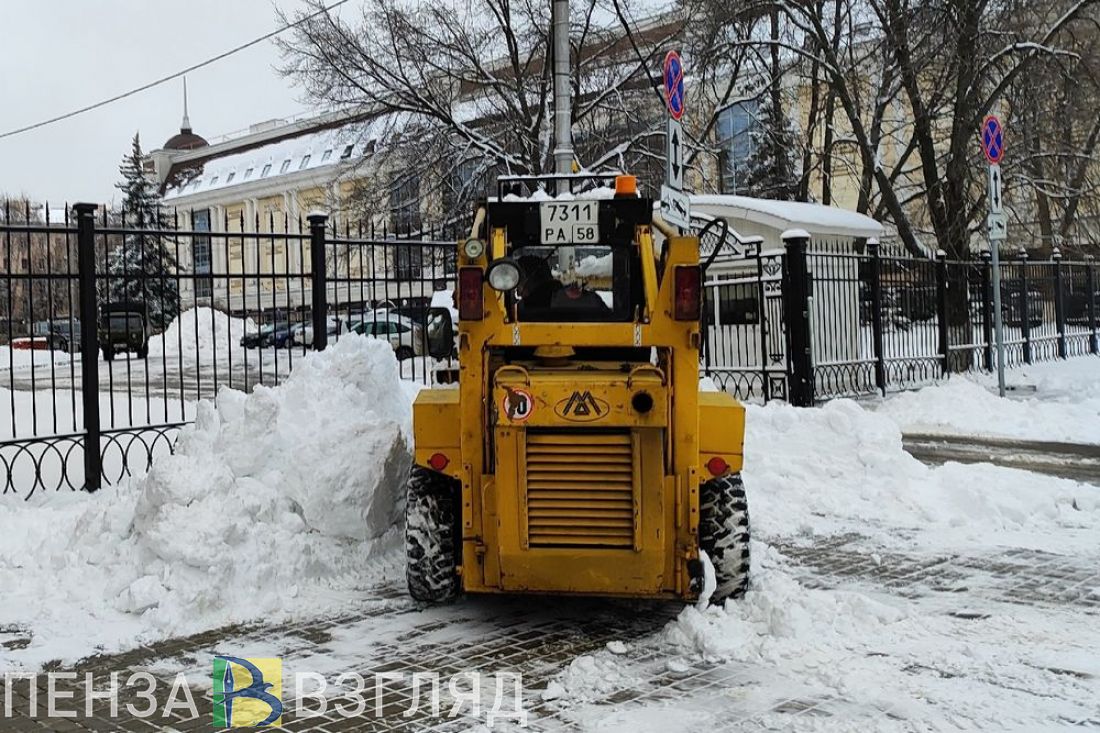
<point>993,146</point>
<point>563,111</point>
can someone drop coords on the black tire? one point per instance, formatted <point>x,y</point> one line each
<point>724,534</point>
<point>432,547</point>
<point>108,353</point>
<point>404,352</point>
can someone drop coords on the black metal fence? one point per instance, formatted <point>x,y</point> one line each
<point>815,320</point>
<point>229,303</point>
<point>233,303</point>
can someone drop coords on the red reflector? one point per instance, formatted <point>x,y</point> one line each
<point>470,294</point>
<point>688,293</point>
<point>717,466</point>
<point>438,461</point>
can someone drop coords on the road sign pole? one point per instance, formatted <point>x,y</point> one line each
<point>993,147</point>
<point>998,320</point>
<point>675,204</point>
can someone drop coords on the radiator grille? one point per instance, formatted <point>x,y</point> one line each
<point>580,489</point>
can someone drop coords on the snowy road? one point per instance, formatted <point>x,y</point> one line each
<point>898,642</point>
<point>887,593</point>
<point>1068,460</point>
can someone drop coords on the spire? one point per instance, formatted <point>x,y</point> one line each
<point>185,126</point>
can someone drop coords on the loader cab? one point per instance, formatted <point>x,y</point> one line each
<point>572,457</point>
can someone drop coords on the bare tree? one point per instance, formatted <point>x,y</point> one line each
<point>462,93</point>
<point>1052,170</point>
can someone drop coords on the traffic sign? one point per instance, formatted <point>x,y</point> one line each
<point>996,226</point>
<point>674,84</point>
<point>993,142</point>
<point>675,207</point>
<point>996,201</point>
<point>674,154</point>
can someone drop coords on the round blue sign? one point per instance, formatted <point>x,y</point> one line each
<point>674,84</point>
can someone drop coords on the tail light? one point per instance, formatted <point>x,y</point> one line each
<point>688,294</point>
<point>470,294</point>
<point>438,461</point>
<point>718,466</point>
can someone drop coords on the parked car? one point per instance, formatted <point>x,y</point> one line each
<point>277,335</point>
<point>281,336</point>
<point>405,336</point>
<point>257,338</point>
<point>303,332</point>
<point>123,327</point>
<point>58,335</point>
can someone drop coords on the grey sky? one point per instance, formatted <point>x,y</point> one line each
<point>58,55</point>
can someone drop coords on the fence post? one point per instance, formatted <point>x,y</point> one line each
<point>318,281</point>
<point>941,308</point>
<point>762,321</point>
<point>1025,314</point>
<point>987,308</point>
<point>796,303</point>
<point>876,314</point>
<point>89,345</point>
<point>1090,285</point>
<point>1059,304</point>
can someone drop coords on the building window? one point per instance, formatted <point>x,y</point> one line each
<point>248,173</point>
<point>347,152</point>
<point>230,178</point>
<point>305,162</point>
<point>200,255</point>
<point>265,171</point>
<point>405,202</point>
<point>286,165</point>
<point>326,156</point>
<point>734,132</point>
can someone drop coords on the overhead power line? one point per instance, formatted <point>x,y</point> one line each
<point>176,75</point>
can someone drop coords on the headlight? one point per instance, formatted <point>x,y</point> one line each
<point>503,275</point>
<point>473,248</point>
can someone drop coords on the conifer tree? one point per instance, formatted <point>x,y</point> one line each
<point>141,267</point>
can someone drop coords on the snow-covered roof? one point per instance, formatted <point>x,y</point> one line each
<point>783,215</point>
<point>312,151</point>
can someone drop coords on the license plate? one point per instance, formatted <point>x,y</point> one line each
<point>570,222</point>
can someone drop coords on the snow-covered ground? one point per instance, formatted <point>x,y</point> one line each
<point>1052,401</point>
<point>285,503</point>
<point>274,503</point>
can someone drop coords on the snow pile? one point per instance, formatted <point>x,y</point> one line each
<point>778,619</point>
<point>274,503</point>
<point>841,468</point>
<point>1059,402</point>
<point>590,677</point>
<point>592,266</point>
<point>198,335</point>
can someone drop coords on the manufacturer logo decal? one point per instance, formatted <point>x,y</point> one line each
<point>582,407</point>
<point>518,404</point>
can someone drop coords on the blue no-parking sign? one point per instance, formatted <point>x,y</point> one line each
<point>993,139</point>
<point>674,85</point>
